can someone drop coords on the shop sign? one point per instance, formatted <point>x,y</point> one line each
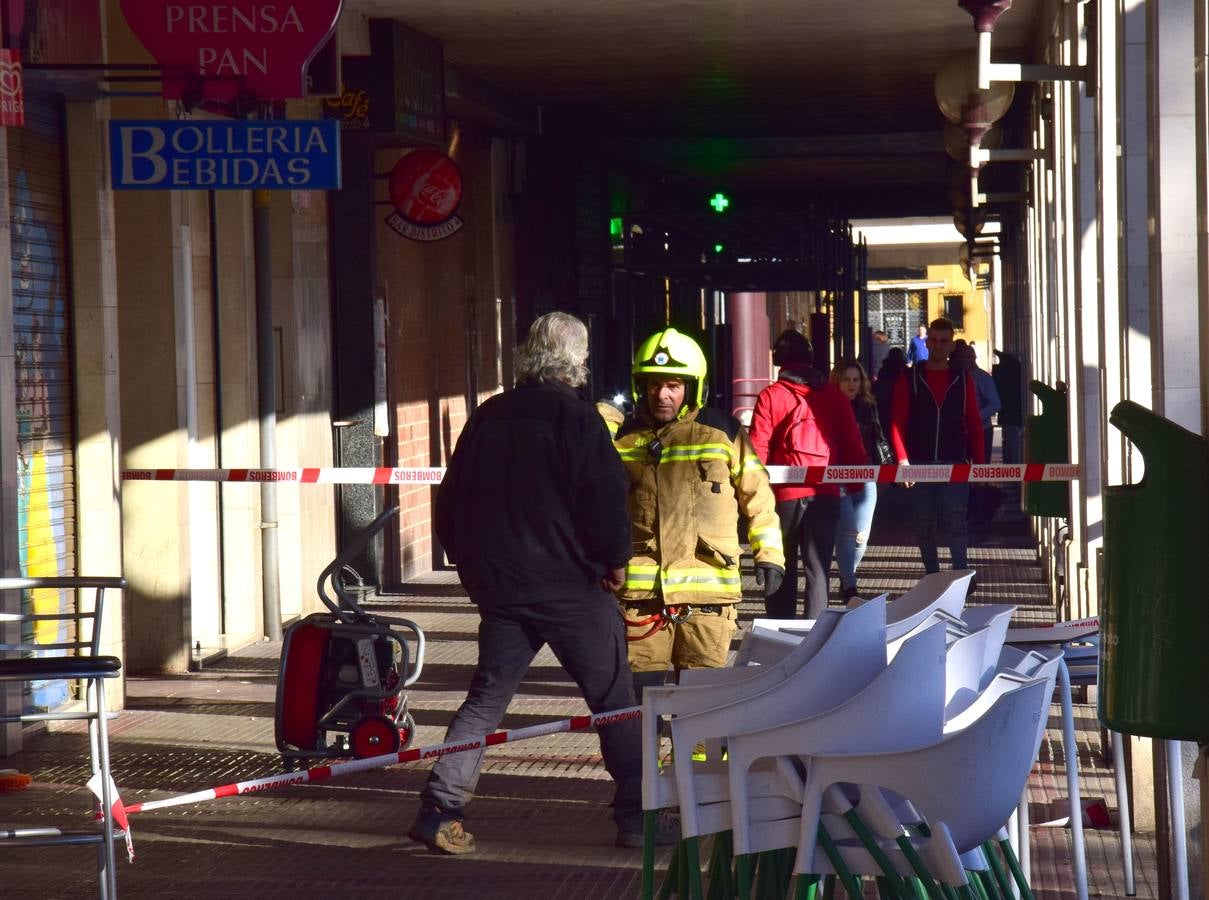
<point>12,90</point>
<point>406,83</point>
<point>54,32</point>
<point>351,107</point>
<point>227,49</point>
<point>425,190</point>
<point>187,154</point>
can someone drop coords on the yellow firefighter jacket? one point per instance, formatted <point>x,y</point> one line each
<point>689,481</point>
<point>613,417</point>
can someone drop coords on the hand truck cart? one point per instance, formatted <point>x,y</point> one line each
<point>341,681</point>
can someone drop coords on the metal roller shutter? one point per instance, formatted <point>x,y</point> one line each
<point>42,326</point>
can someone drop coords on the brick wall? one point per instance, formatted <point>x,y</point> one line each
<point>442,306</point>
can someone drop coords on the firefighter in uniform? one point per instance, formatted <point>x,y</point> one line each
<point>692,473</point>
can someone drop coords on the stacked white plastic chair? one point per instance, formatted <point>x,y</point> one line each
<point>911,681</point>
<point>937,596</point>
<point>848,644</point>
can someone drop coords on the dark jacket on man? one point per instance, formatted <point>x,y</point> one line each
<point>533,505</point>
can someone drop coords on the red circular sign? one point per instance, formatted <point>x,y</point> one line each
<point>426,187</point>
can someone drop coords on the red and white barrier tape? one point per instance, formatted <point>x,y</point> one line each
<point>941,473</point>
<point>349,475</point>
<point>936,473</point>
<point>323,773</point>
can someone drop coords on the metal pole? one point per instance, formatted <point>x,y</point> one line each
<point>267,403</point>
<point>1179,836</point>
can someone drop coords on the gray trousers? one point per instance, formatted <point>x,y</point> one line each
<point>586,633</point>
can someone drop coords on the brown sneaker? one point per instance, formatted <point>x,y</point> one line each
<point>443,837</point>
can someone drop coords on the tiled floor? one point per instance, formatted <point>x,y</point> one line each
<point>540,816</point>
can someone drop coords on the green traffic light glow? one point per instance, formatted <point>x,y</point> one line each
<point>615,226</point>
<point>718,248</point>
<point>719,202</point>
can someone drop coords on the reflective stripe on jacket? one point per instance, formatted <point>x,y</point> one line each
<point>685,499</point>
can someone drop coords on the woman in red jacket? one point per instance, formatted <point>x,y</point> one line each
<point>802,420</point>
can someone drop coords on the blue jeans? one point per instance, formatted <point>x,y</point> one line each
<point>586,633</point>
<point>852,537</point>
<point>941,507</point>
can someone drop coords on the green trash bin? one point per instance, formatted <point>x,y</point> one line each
<point>1154,619</point>
<point>1046,441</point>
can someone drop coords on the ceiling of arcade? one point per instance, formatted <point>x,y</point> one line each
<point>829,100</point>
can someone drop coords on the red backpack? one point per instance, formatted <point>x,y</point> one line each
<point>804,440</point>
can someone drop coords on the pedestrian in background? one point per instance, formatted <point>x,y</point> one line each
<point>918,351</point>
<point>691,473</point>
<point>802,420</point>
<point>883,388</point>
<point>935,420</point>
<point>857,507</point>
<point>532,510</point>
<point>1009,383</point>
<point>878,350</point>
<point>988,397</point>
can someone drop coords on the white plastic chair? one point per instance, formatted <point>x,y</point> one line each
<point>713,686</point>
<point>965,673</point>
<point>966,670</point>
<point>841,655</point>
<point>1014,665</point>
<point>902,707</point>
<point>761,647</point>
<point>964,665</point>
<point>965,786</point>
<point>938,592</point>
<point>939,595</point>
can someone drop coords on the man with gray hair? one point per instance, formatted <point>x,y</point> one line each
<point>533,512</point>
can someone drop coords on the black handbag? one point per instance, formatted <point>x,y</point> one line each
<point>883,455</point>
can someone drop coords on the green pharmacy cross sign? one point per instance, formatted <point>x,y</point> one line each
<point>719,202</point>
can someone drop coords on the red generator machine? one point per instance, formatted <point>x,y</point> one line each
<point>341,681</point>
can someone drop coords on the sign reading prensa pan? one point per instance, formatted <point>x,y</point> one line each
<point>186,154</point>
<point>225,50</point>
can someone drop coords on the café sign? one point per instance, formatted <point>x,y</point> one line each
<point>187,154</point>
<point>228,49</point>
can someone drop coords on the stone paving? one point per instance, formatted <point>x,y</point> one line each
<point>540,816</point>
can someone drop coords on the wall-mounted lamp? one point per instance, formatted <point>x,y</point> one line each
<point>969,222</point>
<point>986,15</point>
<point>972,109</point>
<point>974,260</point>
<point>957,142</point>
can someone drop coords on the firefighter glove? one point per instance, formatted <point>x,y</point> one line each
<point>769,577</point>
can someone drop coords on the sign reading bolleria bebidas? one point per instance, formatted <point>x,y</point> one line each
<point>188,154</point>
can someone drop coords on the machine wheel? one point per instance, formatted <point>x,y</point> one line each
<point>374,736</point>
<point>407,730</point>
